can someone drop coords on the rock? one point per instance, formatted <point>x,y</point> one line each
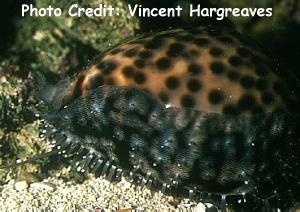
<point>43,185</point>
<point>125,210</point>
<point>199,208</point>
<point>27,176</point>
<point>21,185</point>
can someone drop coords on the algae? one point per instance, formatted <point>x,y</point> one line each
<point>55,47</point>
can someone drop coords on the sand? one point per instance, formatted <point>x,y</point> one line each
<point>95,194</point>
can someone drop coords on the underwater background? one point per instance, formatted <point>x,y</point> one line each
<point>62,46</point>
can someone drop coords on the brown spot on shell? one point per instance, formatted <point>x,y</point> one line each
<point>202,42</point>
<point>217,67</point>
<point>215,96</point>
<point>267,98</point>
<point>235,60</point>
<point>154,43</point>
<point>194,85</point>
<point>163,96</point>
<point>128,71</point>
<point>226,39</point>
<point>140,77</point>
<point>262,84</point>
<point>216,52</point>
<point>131,52</point>
<point>110,81</point>
<point>145,54</point>
<point>230,109</point>
<point>107,66</point>
<point>175,50</point>
<point>187,101</point>
<point>172,82</point>
<point>96,81</point>
<point>139,63</point>
<point>246,102</point>
<point>163,63</point>
<point>186,38</point>
<point>194,69</point>
<point>115,51</point>
<point>247,82</point>
<point>243,52</point>
<point>233,75</point>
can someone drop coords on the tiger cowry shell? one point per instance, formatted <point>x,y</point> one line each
<point>192,110</point>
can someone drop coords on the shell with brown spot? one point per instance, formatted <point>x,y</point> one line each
<point>199,112</point>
